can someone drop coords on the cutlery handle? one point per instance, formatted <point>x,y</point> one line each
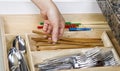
<point>17,69</point>
<point>79,29</point>
<point>24,63</point>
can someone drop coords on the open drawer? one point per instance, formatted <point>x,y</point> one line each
<point>22,25</point>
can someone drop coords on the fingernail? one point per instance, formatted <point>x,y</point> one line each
<point>55,40</point>
<point>45,36</point>
<point>49,40</point>
<point>54,43</point>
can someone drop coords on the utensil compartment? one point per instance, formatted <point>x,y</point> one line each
<point>39,54</point>
<point>39,57</point>
<point>9,38</point>
<point>71,40</point>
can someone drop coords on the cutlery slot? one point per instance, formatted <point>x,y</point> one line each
<point>9,42</point>
<point>40,56</point>
<point>76,41</point>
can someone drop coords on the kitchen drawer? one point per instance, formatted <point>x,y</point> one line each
<point>13,25</point>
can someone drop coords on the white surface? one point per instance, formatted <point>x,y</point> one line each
<point>53,0</point>
<point>20,7</point>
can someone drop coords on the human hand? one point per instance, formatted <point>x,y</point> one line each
<point>53,21</point>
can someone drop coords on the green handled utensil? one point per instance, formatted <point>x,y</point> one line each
<point>67,23</point>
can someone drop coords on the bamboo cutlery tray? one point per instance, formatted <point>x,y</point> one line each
<point>38,51</point>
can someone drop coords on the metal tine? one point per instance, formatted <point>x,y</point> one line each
<point>83,62</point>
<point>61,59</point>
<point>93,51</point>
<point>109,59</point>
<point>91,58</point>
<point>108,55</point>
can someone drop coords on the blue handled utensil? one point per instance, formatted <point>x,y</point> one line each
<point>80,29</point>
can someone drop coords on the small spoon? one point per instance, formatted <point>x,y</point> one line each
<point>13,60</point>
<point>22,48</point>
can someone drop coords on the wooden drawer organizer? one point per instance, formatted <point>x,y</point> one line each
<point>14,25</point>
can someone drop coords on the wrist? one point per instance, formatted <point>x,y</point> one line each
<point>43,4</point>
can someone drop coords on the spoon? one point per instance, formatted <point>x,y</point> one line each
<point>22,49</point>
<point>13,60</point>
<point>16,55</point>
<point>21,44</point>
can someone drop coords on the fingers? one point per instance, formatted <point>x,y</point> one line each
<point>61,29</point>
<point>49,29</point>
<point>46,22</point>
<point>55,32</point>
<point>45,26</point>
<point>53,24</point>
<point>53,20</point>
<point>55,29</point>
<point>49,32</point>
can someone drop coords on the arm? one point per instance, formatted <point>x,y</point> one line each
<point>53,21</point>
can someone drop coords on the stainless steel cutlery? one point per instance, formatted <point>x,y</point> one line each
<point>16,58</point>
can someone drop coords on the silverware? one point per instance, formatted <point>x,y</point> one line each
<point>22,49</point>
<point>13,60</point>
<point>21,44</point>
<point>91,58</point>
<point>16,58</point>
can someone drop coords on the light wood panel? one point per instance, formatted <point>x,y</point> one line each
<point>22,24</point>
<point>25,23</point>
